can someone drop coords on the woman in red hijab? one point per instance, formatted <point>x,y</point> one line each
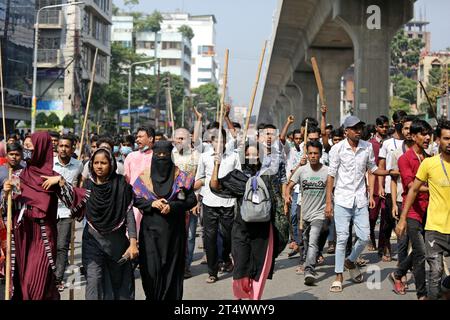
<point>34,222</point>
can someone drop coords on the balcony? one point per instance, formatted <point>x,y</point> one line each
<point>49,58</point>
<point>51,19</point>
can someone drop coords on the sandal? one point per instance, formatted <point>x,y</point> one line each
<point>212,279</point>
<point>399,287</point>
<point>372,248</point>
<point>354,271</point>
<point>360,262</point>
<point>336,287</point>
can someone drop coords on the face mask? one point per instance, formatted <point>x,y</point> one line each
<point>116,149</point>
<point>125,150</point>
<point>27,154</point>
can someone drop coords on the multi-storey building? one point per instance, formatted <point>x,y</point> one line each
<point>16,36</point>
<point>68,39</point>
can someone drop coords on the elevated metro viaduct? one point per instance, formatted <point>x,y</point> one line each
<point>338,33</point>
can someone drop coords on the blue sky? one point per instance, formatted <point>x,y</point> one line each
<point>242,26</point>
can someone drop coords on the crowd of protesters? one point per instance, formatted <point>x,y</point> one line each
<point>141,198</point>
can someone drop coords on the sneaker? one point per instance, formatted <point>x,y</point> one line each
<point>310,278</point>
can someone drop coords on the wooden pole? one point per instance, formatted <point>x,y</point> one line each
<point>305,137</point>
<point>222,101</point>
<point>8,243</point>
<point>255,89</point>
<point>72,240</point>
<point>428,99</point>
<point>86,113</point>
<point>318,80</point>
<point>9,203</point>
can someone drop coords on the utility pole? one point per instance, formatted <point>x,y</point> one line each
<point>446,91</point>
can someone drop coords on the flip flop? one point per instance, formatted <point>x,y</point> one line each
<point>336,287</point>
<point>398,286</point>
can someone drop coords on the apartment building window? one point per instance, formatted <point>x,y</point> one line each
<point>171,62</point>
<point>145,44</point>
<point>50,41</point>
<point>101,66</point>
<point>168,45</point>
<point>204,70</point>
<point>204,80</point>
<point>206,51</point>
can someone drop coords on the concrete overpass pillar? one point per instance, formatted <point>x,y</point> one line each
<point>307,83</point>
<point>371,24</point>
<point>332,64</point>
<point>295,94</point>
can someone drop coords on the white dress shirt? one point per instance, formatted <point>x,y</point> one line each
<point>349,169</point>
<point>389,146</point>
<point>230,161</point>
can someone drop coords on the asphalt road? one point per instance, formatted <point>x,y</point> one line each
<point>285,285</point>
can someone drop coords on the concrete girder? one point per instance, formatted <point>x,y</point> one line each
<point>372,50</point>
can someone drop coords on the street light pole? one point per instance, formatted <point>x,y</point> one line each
<point>129,85</point>
<point>36,40</point>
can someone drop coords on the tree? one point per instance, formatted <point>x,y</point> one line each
<point>405,54</point>
<point>68,121</point>
<point>131,4</point>
<point>150,23</point>
<point>186,31</point>
<point>115,10</point>
<point>41,119</point>
<point>206,93</point>
<point>398,104</point>
<point>53,120</point>
<point>405,88</point>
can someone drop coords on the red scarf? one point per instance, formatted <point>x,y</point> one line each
<point>41,164</point>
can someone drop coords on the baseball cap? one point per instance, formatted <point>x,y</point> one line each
<point>352,121</point>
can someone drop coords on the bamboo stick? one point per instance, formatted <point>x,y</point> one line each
<point>72,240</point>
<point>255,89</point>
<point>318,80</point>
<point>305,138</point>
<point>9,203</point>
<point>222,102</point>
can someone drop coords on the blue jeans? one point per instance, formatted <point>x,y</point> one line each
<point>294,217</point>
<point>331,230</point>
<point>191,239</point>
<point>342,217</point>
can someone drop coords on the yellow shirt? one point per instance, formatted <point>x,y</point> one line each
<point>438,214</point>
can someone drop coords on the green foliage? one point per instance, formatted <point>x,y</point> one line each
<point>41,119</point>
<point>53,120</point>
<point>68,121</point>
<point>398,104</point>
<point>186,31</point>
<point>405,54</point>
<point>405,88</point>
<point>149,23</point>
<point>206,93</point>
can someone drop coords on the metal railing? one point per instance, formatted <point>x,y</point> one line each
<point>51,17</point>
<point>49,56</point>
